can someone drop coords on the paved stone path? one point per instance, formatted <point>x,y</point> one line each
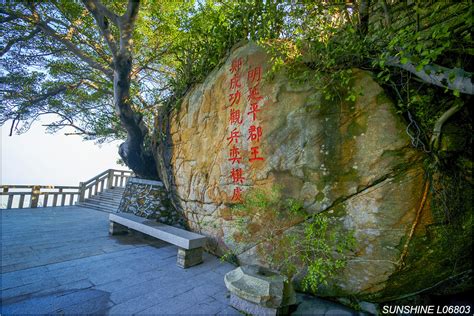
<point>62,261</point>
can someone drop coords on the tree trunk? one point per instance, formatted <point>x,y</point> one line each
<point>133,151</point>
<point>162,147</point>
<point>364,17</point>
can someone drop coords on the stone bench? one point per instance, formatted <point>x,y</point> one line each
<point>189,244</point>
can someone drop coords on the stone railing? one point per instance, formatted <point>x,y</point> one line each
<point>38,195</point>
<point>106,180</point>
<point>33,196</point>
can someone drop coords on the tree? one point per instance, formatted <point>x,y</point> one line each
<point>63,66</point>
<point>106,69</point>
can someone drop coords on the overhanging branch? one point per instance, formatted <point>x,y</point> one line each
<point>102,16</point>
<point>17,40</point>
<point>453,79</point>
<point>435,138</point>
<point>74,49</point>
<point>46,29</point>
<point>126,24</point>
<point>80,130</point>
<point>7,19</point>
<point>53,92</point>
<point>106,12</point>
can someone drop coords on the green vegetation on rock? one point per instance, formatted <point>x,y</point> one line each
<point>316,242</point>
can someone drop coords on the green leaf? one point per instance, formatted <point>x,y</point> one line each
<point>451,77</point>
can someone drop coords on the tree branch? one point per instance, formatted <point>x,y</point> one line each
<point>434,142</point>
<point>100,14</point>
<point>106,12</point>
<point>53,92</point>
<point>35,20</point>
<point>60,124</point>
<point>17,118</point>
<point>132,12</point>
<point>107,58</point>
<point>52,52</point>
<point>94,86</point>
<point>146,62</point>
<point>81,130</point>
<point>127,22</point>
<point>17,40</point>
<point>74,49</point>
<point>438,75</point>
<point>79,36</point>
<point>142,101</point>
<point>7,19</point>
<point>74,24</point>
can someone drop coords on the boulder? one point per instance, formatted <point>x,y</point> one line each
<point>242,129</point>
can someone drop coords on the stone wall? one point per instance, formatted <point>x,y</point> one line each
<point>147,198</point>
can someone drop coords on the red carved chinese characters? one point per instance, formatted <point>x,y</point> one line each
<point>238,117</point>
<point>254,75</point>
<point>255,132</point>
<point>254,109</point>
<point>234,98</point>
<point>254,154</point>
<point>235,117</point>
<point>234,154</point>
<point>237,195</point>
<point>236,65</point>
<point>234,136</point>
<point>254,95</point>
<point>235,82</point>
<point>237,175</point>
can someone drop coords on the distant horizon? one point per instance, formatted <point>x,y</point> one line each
<point>37,157</point>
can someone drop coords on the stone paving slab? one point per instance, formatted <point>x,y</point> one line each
<point>62,261</point>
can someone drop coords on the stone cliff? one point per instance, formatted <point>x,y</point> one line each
<point>239,130</point>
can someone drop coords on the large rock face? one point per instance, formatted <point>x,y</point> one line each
<point>350,159</point>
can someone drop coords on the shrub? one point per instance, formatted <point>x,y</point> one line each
<point>288,238</point>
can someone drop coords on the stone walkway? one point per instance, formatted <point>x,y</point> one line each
<point>62,261</point>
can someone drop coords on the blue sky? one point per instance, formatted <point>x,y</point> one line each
<point>52,159</point>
